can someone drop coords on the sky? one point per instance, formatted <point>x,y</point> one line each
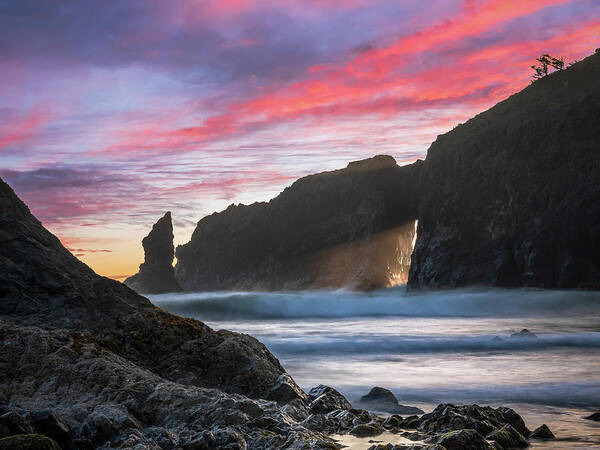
<point>114,112</point>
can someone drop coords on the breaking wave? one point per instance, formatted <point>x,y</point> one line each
<point>389,302</point>
<point>398,345</point>
<point>582,394</point>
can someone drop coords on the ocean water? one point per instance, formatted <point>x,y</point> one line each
<point>431,347</point>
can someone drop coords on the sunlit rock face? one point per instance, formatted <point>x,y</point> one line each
<point>512,197</point>
<point>156,273</point>
<point>349,227</point>
<point>379,260</point>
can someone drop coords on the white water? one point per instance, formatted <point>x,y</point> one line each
<point>431,347</point>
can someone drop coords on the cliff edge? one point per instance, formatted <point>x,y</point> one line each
<point>512,197</point>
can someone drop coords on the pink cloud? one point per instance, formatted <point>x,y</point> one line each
<point>21,128</point>
<point>374,83</point>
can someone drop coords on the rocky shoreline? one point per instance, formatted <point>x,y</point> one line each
<point>87,363</point>
<point>160,415</point>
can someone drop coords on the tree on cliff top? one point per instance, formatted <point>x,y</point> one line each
<point>546,61</point>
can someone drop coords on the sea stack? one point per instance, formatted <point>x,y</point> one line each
<point>156,275</point>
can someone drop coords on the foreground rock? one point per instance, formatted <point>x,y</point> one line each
<point>595,417</point>
<point>156,275</point>
<point>483,419</point>
<point>349,227</point>
<point>324,399</point>
<point>28,442</point>
<point>462,440</point>
<point>524,334</point>
<point>88,363</point>
<point>381,399</point>
<point>508,437</point>
<point>542,432</point>
<point>510,198</point>
<point>472,427</point>
<point>446,427</point>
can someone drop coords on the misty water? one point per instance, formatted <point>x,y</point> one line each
<point>430,348</point>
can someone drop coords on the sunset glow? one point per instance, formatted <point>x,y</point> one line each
<point>112,113</point>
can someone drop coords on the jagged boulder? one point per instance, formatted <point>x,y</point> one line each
<point>484,419</point>
<point>367,429</point>
<point>461,440</point>
<point>381,399</point>
<point>595,417</point>
<point>47,423</point>
<point>156,275</point>
<point>324,399</point>
<point>542,432</point>
<point>508,437</point>
<point>524,334</point>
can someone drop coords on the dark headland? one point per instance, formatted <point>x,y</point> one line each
<point>509,198</point>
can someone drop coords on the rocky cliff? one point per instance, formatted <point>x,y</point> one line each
<point>42,284</point>
<point>349,227</point>
<point>512,197</point>
<point>86,363</point>
<point>156,274</point>
<point>112,365</point>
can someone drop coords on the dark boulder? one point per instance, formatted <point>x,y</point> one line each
<point>28,442</point>
<point>483,419</point>
<point>595,417</point>
<point>392,422</point>
<point>367,429</point>
<point>461,440</point>
<point>321,422</point>
<point>524,333</point>
<point>349,227</point>
<point>381,399</point>
<point>12,422</point>
<point>47,423</point>
<point>409,423</point>
<point>297,409</point>
<point>324,399</point>
<point>508,437</point>
<point>156,274</point>
<point>542,432</point>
